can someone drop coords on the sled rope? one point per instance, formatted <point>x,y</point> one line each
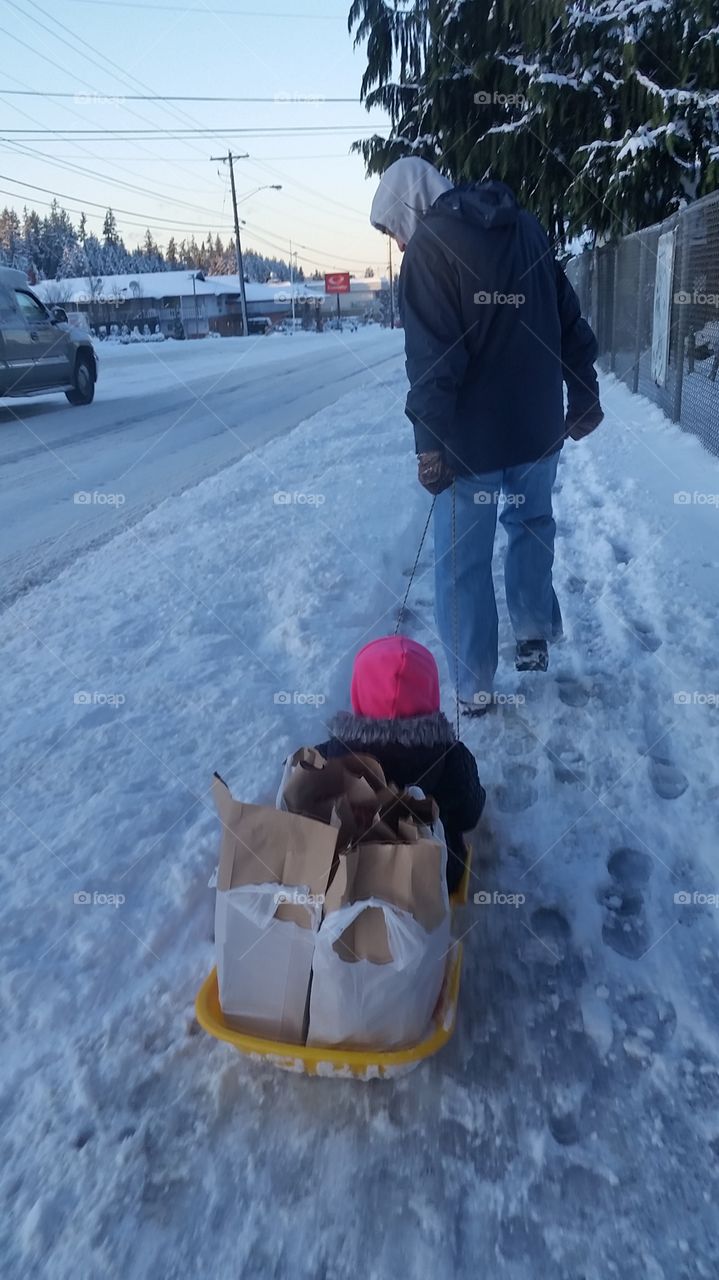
<point>455,620</point>
<point>400,615</point>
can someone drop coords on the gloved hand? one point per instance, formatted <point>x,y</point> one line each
<point>578,426</point>
<point>433,472</point>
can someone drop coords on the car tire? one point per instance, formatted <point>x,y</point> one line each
<point>83,391</point>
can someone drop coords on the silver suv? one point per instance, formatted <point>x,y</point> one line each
<point>38,349</point>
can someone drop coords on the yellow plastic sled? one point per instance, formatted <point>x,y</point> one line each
<point>362,1064</point>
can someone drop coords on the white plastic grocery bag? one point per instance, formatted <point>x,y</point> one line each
<point>381,950</point>
<point>273,871</point>
<point>263,962</point>
<point>376,1005</point>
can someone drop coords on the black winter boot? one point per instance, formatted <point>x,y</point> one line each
<point>532,655</point>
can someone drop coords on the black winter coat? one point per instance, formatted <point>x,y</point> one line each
<point>492,330</point>
<point>419,751</point>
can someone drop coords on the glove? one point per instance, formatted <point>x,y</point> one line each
<point>577,426</point>
<point>433,472</point>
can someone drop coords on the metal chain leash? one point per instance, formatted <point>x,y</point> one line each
<point>400,615</point>
<point>455,605</point>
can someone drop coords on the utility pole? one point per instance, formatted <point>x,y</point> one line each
<point>230,159</point>
<point>391,288</point>
<point>292,288</point>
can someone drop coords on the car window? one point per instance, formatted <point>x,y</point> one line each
<point>30,307</point>
<point>7,310</point>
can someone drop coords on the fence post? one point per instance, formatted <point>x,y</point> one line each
<point>638,320</point>
<point>679,285</point>
<point>613,309</point>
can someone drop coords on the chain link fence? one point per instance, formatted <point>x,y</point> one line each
<point>652,299</point>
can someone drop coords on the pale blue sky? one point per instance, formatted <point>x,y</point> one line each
<point>281,49</point>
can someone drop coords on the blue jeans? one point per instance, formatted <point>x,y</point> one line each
<point>524,496</point>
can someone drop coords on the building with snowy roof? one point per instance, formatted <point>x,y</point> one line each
<point>190,304</point>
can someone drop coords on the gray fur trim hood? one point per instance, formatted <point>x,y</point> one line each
<point>409,731</point>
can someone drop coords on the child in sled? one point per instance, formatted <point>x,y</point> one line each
<point>396,718</point>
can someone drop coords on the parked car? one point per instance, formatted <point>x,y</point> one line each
<point>39,351</point>
<point>259,324</point>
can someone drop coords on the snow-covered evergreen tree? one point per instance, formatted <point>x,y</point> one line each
<point>603,115</point>
<point>32,237</point>
<point>51,247</point>
<point>11,242</point>
<point>110,233</point>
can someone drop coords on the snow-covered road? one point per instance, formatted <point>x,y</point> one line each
<point>165,416</point>
<point>570,1130</point>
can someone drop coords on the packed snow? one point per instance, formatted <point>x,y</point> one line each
<point>569,1130</point>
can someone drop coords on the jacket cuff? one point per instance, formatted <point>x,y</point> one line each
<point>425,441</point>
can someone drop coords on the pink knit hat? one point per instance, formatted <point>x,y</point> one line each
<point>394,677</point>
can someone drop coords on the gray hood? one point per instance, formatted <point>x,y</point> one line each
<point>406,191</point>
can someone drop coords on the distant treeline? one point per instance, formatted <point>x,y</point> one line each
<point>53,248</point>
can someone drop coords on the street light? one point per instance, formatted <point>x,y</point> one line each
<point>271,186</point>
<point>230,159</point>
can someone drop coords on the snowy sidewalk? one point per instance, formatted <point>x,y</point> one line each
<point>570,1128</point>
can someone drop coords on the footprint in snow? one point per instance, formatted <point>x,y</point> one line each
<point>517,790</point>
<point>551,928</point>
<point>567,761</point>
<point>576,585</point>
<point>621,555</point>
<point>572,692</point>
<point>667,780</point>
<point>564,1128</point>
<point>100,715</point>
<point>630,867</point>
<point>649,1019</point>
<point>645,635</point>
<point>625,927</point>
<point>517,740</point>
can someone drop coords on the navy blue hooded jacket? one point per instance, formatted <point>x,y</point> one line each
<point>492,330</point>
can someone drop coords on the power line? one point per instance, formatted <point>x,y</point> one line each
<point>300,155</point>
<point>202,12</point>
<point>281,99</point>
<point>174,134</point>
<point>125,77</point>
<point>149,221</point>
<point>211,216</point>
<point>96,204</point>
<point>125,186</point>
<point>134,79</point>
<point>53,63</point>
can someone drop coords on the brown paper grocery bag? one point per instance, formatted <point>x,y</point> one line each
<point>349,784</point>
<point>273,872</point>
<point>381,950</point>
<point>408,876</point>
